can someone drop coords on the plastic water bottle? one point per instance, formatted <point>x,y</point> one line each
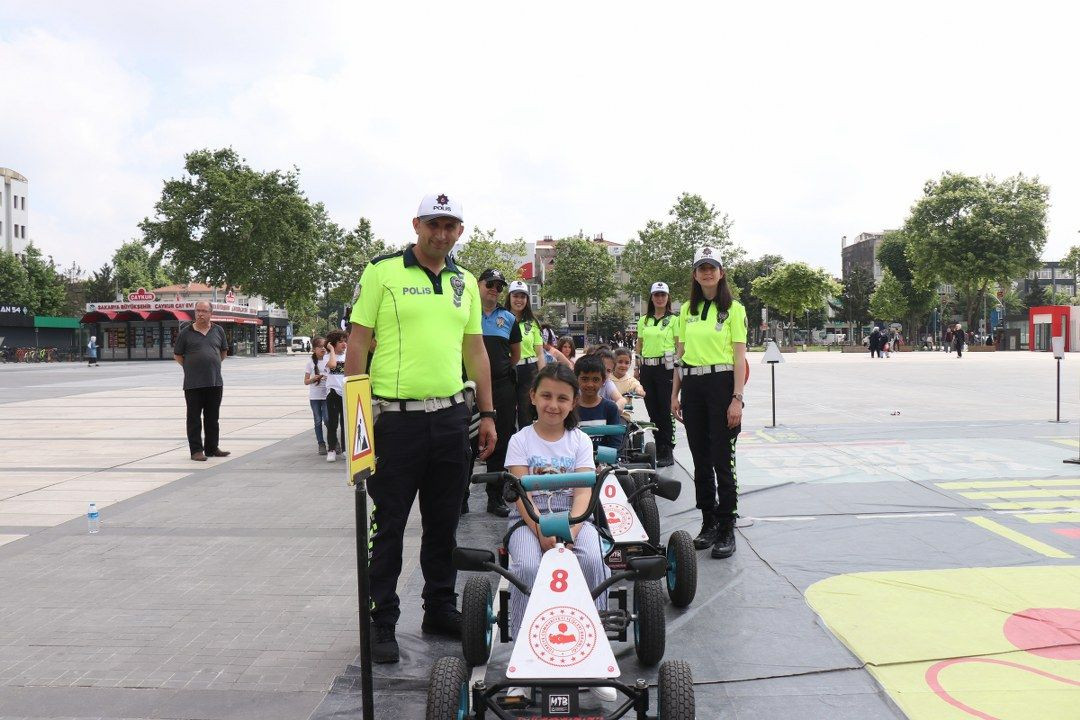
<point>93,521</point>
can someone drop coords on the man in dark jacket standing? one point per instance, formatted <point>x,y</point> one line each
<point>876,340</point>
<point>200,348</point>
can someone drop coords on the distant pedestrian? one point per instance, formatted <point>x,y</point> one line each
<point>959,341</point>
<point>91,351</point>
<point>877,342</point>
<point>315,378</point>
<point>336,344</point>
<point>200,348</point>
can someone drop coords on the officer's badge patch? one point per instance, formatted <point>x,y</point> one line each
<point>720,320</point>
<point>665,321</point>
<point>500,321</point>
<point>458,284</point>
<point>528,327</point>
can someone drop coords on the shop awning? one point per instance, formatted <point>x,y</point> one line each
<point>132,314</point>
<point>64,323</point>
<point>164,314</point>
<point>237,320</point>
<point>97,316</point>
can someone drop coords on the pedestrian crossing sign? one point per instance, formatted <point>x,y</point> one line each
<point>359,424</point>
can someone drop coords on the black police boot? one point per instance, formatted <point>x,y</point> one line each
<point>384,647</point>
<point>710,529</point>
<point>442,621</point>
<point>724,547</point>
<point>497,506</point>
<point>665,457</point>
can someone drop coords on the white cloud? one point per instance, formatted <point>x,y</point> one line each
<point>803,122</point>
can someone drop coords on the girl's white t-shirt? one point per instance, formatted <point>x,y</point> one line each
<point>317,391</point>
<point>336,380</point>
<point>573,450</point>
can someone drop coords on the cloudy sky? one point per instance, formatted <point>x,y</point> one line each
<point>804,122</point>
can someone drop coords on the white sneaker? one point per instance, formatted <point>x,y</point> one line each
<point>517,692</point>
<point>331,456</point>
<point>606,694</point>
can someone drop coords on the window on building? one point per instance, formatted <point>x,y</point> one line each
<point>578,317</point>
<point>1031,275</point>
<point>22,203</point>
<point>1045,274</point>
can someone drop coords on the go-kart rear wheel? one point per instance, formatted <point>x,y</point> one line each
<point>650,451</point>
<point>477,616</point>
<point>448,690</point>
<point>675,691</point>
<point>649,627</point>
<point>682,569</point>
<point>649,515</point>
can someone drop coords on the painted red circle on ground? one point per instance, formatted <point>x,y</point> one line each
<point>1047,632</point>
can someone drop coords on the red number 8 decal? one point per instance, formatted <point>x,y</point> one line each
<point>609,490</point>
<point>558,581</point>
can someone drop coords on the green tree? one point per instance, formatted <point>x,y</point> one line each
<point>227,224</point>
<point>582,272</point>
<point>347,253</point>
<point>854,302</point>
<point>101,286</point>
<point>973,232</point>
<point>613,317</point>
<point>919,297</point>
<point>889,302</point>
<point>46,292</point>
<point>14,283</point>
<point>741,275</point>
<point>665,251</point>
<point>134,267</point>
<point>794,288</point>
<point>482,251</point>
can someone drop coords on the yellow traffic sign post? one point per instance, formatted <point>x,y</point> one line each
<point>360,454</point>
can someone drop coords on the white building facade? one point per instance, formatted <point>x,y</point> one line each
<point>14,217</point>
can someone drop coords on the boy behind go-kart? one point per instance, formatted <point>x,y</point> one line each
<point>552,444</point>
<point>592,408</point>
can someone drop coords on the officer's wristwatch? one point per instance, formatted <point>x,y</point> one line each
<point>487,414</point>
<point>738,396</point>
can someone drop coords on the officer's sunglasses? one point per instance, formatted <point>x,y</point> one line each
<point>493,284</point>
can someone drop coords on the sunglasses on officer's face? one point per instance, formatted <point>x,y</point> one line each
<point>493,284</point>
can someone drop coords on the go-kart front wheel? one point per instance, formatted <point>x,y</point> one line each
<point>682,569</point>
<point>675,691</point>
<point>649,515</point>
<point>476,621</point>
<point>649,626</point>
<point>448,690</point>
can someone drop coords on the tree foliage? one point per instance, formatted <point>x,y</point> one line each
<point>665,251</point>
<point>919,297</point>
<point>225,223</point>
<point>14,283</point>
<point>134,266</point>
<point>854,301</point>
<point>613,317</point>
<point>482,251</point>
<point>582,273</point>
<point>973,232</point>
<point>100,286</point>
<point>794,288</point>
<point>741,276</point>
<point>46,292</point>
<point>889,301</point>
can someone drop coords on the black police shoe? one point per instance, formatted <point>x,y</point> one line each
<point>724,547</point>
<point>498,508</point>
<point>444,621</point>
<point>384,647</point>
<point>664,457</point>
<point>710,530</point>
<point>464,505</point>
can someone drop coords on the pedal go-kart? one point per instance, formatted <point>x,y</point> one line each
<point>636,448</point>
<point>629,520</point>
<point>563,646</point>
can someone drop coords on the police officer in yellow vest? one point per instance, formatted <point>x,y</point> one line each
<point>711,340</point>
<point>655,350</point>
<point>426,312</point>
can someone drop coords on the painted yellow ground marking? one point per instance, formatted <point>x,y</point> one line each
<point>1036,505</point>
<point>990,494</point>
<point>939,640</point>
<point>1051,517</point>
<point>1067,442</point>
<point>1018,537</point>
<point>765,436</point>
<point>983,484</point>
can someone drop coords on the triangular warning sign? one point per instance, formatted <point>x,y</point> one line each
<point>772,353</point>
<point>561,634</point>
<point>361,444</point>
<point>623,522</point>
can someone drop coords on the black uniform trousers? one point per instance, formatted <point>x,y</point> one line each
<point>705,400</point>
<point>656,381</point>
<point>504,400</point>
<point>425,453</point>
<point>203,408</point>
<point>526,413</point>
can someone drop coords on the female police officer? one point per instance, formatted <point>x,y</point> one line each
<point>532,351</point>
<point>655,349</point>
<point>711,340</point>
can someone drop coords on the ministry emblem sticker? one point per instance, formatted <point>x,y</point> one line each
<point>458,284</point>
<point>619,519</point>
<point>562,636</point>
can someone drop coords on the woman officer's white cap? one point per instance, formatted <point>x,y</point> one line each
<point>708,255</point>
<point>659,287</point>
<point>518,286</point>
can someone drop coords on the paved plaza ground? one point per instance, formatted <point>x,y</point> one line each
<point>907,549</point>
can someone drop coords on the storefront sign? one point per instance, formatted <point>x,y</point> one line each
<point>142,295</point>
<point>15,316</point>
<point>230,297</point>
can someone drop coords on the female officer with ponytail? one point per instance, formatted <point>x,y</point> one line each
<point>655,349</point>
<point>532,351</point>
<point>711,340</point>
